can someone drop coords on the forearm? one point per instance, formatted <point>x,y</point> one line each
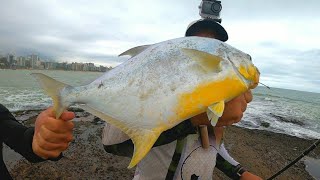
<point>226,163</point>
<point>226,156</point>
<point>17,136</point>
<point>25,146</point>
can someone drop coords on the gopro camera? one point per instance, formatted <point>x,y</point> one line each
<point>210,9</point>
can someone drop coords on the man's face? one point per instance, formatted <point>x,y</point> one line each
<point>206,33</point>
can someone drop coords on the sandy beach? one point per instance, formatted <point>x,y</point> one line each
<point>261,152</point>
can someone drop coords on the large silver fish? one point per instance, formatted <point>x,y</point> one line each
<point>160,86</point>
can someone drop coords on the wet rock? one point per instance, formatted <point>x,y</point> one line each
<point>97,121</point>
<point>75,109</point>
<point>288,119</point>
<point>265,124</point>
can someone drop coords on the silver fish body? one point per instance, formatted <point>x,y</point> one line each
<point>160,86</point>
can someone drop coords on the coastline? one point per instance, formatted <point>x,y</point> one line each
<point>49,70</point>
<point>265,153</point>
<point>261,152</point>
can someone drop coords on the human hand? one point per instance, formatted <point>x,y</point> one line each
<point>249,176</point>
<point>52,136</point>
<point>233,110</point>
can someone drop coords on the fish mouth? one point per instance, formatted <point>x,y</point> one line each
<point>253,85</point>
<point>256,78</point>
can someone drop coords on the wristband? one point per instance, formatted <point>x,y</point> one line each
<point>239,171</point>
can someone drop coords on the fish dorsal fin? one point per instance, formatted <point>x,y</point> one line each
<point>135,51</point>
<point>143,139</point>
<point>207,61</point>
<point>215,111</point>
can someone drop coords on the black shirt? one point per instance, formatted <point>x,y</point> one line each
<point>17,137</point>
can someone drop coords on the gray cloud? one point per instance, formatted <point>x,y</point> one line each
<point>282,36</point>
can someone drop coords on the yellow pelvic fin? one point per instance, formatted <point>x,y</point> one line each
<point>215,111</point>
<point>135,51</point>
<point>143,139</point>
<point>207,61</point>
<point>52,87</point>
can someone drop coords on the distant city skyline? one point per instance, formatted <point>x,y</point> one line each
<point>33,61</point>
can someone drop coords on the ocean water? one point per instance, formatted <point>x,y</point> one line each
<point>296,113</point>
<point>279,110</point>
<point>20,91</point>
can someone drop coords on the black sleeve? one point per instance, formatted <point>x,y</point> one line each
<point>17,136</point>
<point>178,132</point>
<point>227,168</point>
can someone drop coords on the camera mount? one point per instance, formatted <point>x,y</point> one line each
<point>210,9</point>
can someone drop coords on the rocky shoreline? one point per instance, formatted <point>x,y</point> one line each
<point>261,152</point>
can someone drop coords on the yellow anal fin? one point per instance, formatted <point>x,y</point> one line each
<point>143,141</point>
<point>207,61</point>
<point>135,51</point>
<point>215,111</point>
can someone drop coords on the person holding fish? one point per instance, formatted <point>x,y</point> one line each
<point>155,102</point>
<point>178,153</point>
<point>46,141</point>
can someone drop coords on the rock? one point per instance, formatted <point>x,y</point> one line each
<point>288,119</point>
<point>265,124</point>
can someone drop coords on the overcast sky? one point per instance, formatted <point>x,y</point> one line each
<point>281,36</point>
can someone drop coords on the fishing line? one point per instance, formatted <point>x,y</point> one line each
<point>189,156</point>
<point>264,85</point>
<point>307,151</point>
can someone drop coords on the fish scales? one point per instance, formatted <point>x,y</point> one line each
<point>160,86</point>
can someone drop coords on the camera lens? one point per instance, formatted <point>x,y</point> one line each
<point>216,7</point>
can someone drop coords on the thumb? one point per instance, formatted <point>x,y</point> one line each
<point>67,116</point>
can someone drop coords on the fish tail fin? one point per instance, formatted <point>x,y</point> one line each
<point>143,141</point>
<point>53,88</point>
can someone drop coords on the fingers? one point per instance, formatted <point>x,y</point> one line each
<point>52,146</point>
<point>67,116</point>
<point>52,136</point>
<point>243,103</point>
<point>48,144</point>
<point>58,125</point>
<point>43,153</point>
<point>248,96</point>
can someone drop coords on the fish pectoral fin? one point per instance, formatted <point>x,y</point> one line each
<point>209,62</point>
<point>215,111</point>
<point>135,51</point>
<point>143,141</point>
